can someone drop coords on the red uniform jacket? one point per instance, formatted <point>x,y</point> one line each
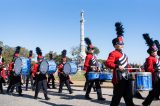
<point>60,68</point>
<point>10,68</point>
<point>3,73</point>
<point>111,63</point>
<point>90,60</point>
<point>34,70</point>
<point>150,65</point>
<point>86,63</point>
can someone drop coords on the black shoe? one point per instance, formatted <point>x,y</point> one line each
<point>2,92</point>
<point>54,87</point>
<point>35,97</point>
<point>144,104</point>
<point>87,97</point>
<point>71,82</point>
<point>101,99</point>
<point>59,91</point>
<point>47,98</point>
<point>156,98</point>
<point>20,94</point>
<point>70,92</point>
<point>138,95</point>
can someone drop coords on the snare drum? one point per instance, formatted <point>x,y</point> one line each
<point>144,81</point>
<point>70,68</point>
<point>44,66</point>
<point>52,67</point>
<point>93,75</point>
<point>105,76</point>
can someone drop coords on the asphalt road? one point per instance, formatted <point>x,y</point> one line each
<point>64,99</point>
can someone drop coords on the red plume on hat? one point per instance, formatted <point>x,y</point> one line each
<point>39,53</point>
<point>17,51</point>
<point>150,43</point>
<point>1,49</point>
<point>30,53</point>
<point>120,31</point>
<point>88,43</point>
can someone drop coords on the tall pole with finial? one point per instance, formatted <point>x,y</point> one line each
<point>82,44</point>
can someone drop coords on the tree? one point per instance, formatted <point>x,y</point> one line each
<point>75,51</point>
<point>8,52</point>
<point>53,53</point>
<point>57,58</point>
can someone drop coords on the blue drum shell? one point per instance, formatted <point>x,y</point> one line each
<point>52,67</point>
<point>26,65</point>
<point>144,81</point>
<point>93,75</point>
<point>105,76</point>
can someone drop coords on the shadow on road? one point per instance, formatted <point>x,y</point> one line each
<point>53,104</point>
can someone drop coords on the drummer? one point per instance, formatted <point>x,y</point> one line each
<point>29,76</point>
<point>91,65</point>
<point>2,71</point>
<point>15,80</point>
<point>51,75</point>
<point>151,66</point>
<point>41,80</point>
<point>134,91</point>
<point>118,61</point>
<point>63,78</point>
<point>158,53</point>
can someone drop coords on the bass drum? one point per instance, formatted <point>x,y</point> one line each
<point>70,68</point>
<point>26,66</point>
<point>18,66</point>
<point>44,66</point>
<point>52,67</point>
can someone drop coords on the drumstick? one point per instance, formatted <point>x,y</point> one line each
<point>133,69</point>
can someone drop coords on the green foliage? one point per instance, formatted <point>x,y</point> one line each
<point>75,51</point>
<point>8,52</point>
<point>57,58</point>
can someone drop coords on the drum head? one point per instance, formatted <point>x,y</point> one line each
<point>67,68</point>
<point>44,66</point>
<point>18,66</point>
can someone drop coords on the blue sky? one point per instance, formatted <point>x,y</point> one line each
<point>54,24</point>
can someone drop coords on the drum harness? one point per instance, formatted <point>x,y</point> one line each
<point>157,67</point>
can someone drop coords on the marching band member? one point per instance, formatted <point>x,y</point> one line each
<point>151,65</point>
<point>51,75</point>
<point>91,65</point>
<point>2,71</point>
<point>15,80</point>
<point>64,78</point>
<point>134,91</point>
<point>41,79</point>
<point>29,76</point>
<point>118,61</point>
<point>158,53</point>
